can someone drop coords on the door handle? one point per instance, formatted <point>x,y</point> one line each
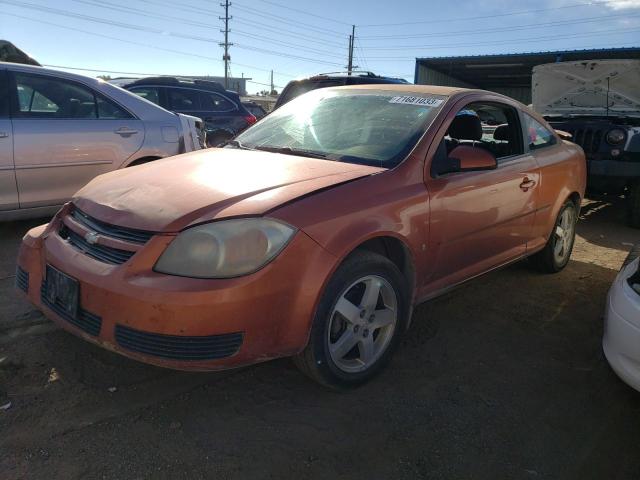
<point>4,134</point>
<point>125,132</point>
<point>527,183</point>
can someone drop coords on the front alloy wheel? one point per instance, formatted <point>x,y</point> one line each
<point>358,322</point>
<point>362,323</point>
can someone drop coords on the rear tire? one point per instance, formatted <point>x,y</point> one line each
<point>556,253</point>
<point>634,204</point>
<point>360,318</point>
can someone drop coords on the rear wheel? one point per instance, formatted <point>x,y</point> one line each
<point>359,320</point>
<point>556,253</point>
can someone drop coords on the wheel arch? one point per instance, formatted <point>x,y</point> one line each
<point>576,199</point>
<point>393,247</point>
<point>395,250</point>
<point>141,160</point>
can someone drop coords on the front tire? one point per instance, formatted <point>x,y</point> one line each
<point>557,252</point>
<point>358,323</point>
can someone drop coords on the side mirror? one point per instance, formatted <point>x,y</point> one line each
<point>564,135</point>
<point>464,158</point>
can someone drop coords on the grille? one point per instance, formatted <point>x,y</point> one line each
<point>113,256</point>
<point>121,233</point>
<point>86,321</point>
<point>588,138</point>
<point>178,347</point>
<point>22,279</point>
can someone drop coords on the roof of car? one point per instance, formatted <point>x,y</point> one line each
<point>178,81</point>
<point>49,71</point>
<point>407,88</point>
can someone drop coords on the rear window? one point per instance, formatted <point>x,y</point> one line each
<point>297,88</point>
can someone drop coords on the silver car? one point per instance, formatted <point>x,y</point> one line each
<point>59,130</point>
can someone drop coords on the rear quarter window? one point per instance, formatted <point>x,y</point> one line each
<point>538,136</point>
<point>148,93</point>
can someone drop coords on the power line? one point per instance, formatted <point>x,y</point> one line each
<point>481,17</point>
<point>363,60</point>
<point>109,37</point>
<point>287,55</point>
<point>125,9</point>
<point>142,28</point>
<point>264,84</point>
<point>500,29</point>
<point>279,18</point>
<point>514,41</point>
<point>285,32</point>
<point>172,5</point>
<point>288,7</point>
<point>110,71</point>
<point>286,44</point>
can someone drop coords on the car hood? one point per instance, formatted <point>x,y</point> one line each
<point>593,87</point>
<point>170,194</point>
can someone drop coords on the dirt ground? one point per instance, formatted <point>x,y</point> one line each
<point>502,379</point>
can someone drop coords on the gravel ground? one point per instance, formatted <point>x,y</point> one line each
<point>503,378</point>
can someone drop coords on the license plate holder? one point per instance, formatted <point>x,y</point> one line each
<point>62,291</point>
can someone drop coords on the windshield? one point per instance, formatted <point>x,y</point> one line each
<point>369,127</point>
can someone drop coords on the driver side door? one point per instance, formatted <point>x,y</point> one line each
<point>64,135</point>
<point>8,189</point>
<point>481,219</point>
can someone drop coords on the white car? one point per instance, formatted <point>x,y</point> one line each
<point>59,130</point>
<point>621,342</point>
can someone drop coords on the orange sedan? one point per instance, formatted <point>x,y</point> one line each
<point>311,235</point>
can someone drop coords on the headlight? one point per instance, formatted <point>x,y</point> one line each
<point>225,249</point>
<point>615,136</point>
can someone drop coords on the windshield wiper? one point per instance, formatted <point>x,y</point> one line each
<point>237,144</point>
<point>292,151</point>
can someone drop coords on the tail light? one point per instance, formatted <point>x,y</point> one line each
<point>250,119</point>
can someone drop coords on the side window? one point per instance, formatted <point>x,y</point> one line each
<point>183,99</point>
<point>491,126</point>
<point>47,97</point>
<point>148,93</point>
<point>213,102</point>
<point>108,110</point>
<point>538,135</point>
<point>4,94</point>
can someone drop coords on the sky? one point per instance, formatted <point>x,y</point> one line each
<point>297,39</point>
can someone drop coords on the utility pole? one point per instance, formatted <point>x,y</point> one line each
<point>226,57</point>
<point>352,41</point>
<point>271,91</point>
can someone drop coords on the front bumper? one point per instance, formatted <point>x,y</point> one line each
<point>621,342</point>
<point>170,321</point>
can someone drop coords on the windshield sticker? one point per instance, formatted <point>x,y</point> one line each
<point>427,101</point>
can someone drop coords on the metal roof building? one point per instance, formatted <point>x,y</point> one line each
<point>509,74</point>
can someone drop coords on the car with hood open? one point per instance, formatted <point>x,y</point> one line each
<point>598,103</point>
<point>313,234</point>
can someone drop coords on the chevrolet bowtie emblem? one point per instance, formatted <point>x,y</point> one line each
<point>92,238</point>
